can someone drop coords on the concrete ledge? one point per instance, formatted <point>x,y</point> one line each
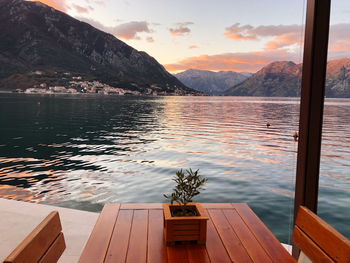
<point>18,219</point>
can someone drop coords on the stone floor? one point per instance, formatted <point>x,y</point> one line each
<point>18,219</point>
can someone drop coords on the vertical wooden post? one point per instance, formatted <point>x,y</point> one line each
<point>311,105</point>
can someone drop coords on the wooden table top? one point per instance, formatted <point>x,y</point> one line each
<point>134,233</point>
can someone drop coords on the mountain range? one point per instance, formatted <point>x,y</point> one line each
<point>213,83</point>
<point>283,79</point>
<point>277,79</point>
<point>38,38</point>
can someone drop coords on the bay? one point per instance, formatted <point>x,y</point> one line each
<point>82,151</point>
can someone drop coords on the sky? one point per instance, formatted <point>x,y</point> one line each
<point>236,35</point>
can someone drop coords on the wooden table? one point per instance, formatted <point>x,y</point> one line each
<point>134,233</point>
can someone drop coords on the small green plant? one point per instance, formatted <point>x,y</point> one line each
<point>187,187</point>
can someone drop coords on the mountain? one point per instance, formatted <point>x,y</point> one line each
<point>38,38</point>
<point>338,78</point>
<point>278,79</point>
<point>210,82</point>
<point>283,79</point>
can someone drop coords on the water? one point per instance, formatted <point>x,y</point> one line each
<point>85,151</point>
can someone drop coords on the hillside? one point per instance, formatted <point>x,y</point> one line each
<point>278,79</point>
<point>283,79</point>
<point>338,78</point>
<point>210,82</point>
<point>38,38</point>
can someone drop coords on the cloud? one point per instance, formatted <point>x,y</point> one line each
<point>285,40</point>
<point>126,31</point>
<point>339,41</point>
<point>288,36</point>
<point>192,47</point>
<point>248,32</point>
<point>102,3</point>
<point>131,29</point>
<point>237,32</point>
<point>283,36</point>
<point>240,62</point>
<point>150,39</point>
<point>81,10</point>
<point>181,29</point>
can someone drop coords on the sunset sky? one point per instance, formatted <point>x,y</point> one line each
<point>237,35</point>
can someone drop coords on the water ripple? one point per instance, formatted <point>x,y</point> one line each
<point>83,152</point>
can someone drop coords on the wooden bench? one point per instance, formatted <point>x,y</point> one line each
<point>319,241</point>
<point>45,244</point>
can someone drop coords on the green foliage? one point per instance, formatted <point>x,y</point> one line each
<point>187,187</point>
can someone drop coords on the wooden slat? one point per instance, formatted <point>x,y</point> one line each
<point>330,240</point>
<point>197,254</point>
<point>266,239</point>
<point>32,248</point>
<point>156,248</point>
<point>137,251</point>
<point>141,206</point>
<point>232,243</point>
<point>55,250</point>
<point>118,248</point>
<point>96,248</point>
<point>216,205</point>
<point>215,248</point>
<point>177,254</point>
<point>252,246</point>
<point>183,227</point>
<point>310,249</point>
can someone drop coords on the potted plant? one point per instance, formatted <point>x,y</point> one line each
<point>185,221</point>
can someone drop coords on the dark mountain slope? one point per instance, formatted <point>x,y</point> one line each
<point>278,79</point>
<point>283,79</point>
<point>34,36</point>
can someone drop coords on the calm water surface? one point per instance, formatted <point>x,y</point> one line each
<point>85,151</point>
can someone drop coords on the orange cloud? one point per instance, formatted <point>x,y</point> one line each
<point>192,47</point>
<point>81,9</point>
<point>239,62</point>
<point>284,36</point>
<point>237,32</point>
<point>150,39</point>
<point>181,29</point>
<point>130,30</point>
<point>285,40</point>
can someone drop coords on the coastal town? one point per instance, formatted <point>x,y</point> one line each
<point>77,85</point>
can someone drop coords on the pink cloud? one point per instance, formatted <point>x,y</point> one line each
<point>181,29</point>
<point>285,40</point>
<point>339,41</point>
<point>192,47</point>
<point>283,35</point>
<point>130,30</point>
<point>239,62</point>
<point>80,9</point>
<point>237,32</point>
<point>102,3</point>
<point>150,39</point>
<point>248,32</point>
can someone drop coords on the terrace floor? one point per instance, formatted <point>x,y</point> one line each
<point>18,219</point>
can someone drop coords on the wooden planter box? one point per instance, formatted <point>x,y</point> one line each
<point>186,228</point>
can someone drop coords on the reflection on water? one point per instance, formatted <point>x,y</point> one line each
<point>84,151</point>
